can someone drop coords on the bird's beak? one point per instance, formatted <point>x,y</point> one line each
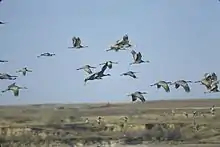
<point>92,67</point>
<point>24,87</point>
<point>129,95</point>
<point>115,62</point>
<point>144,92</point>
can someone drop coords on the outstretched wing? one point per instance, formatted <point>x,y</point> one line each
<point>15,92</point>
<point>165,86</point>
<point>139,56</point>
<point>74,41</point>
<point>88,70</point>
<point>24,73</point>
<point>140,96</point>
<point>134,54</point>
<point>185,86</point>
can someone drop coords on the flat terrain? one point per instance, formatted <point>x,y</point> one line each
<point>150,124</point>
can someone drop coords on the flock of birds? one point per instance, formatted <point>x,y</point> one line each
<point>210,80</point>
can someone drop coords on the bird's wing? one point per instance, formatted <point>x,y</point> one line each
<point>140,96</point>
<point>207,83</point>
<point>139,56</point>
<point>78,41</point>
<point>104,67</point>
<point>125,37</point>
<point>214,77</point>
<point>165,86</point>
<point>24,73</point>
<point>134,98</point>
<point>74,41</point>
<point>88,70</point>
<point>134,54</point>
<point>15,92</point>
<point>13,84</point>
<point>185,86</point>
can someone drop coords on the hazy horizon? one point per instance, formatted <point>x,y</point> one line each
<point>176,36</point>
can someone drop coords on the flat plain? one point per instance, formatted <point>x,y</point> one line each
<point>150,124</point>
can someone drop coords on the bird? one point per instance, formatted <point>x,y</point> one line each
<point>164,84</point>
<point>86,68</point>
<point>137,58</point>
<point>124,41</point>
<point>24,71</point>
<point>130,73</point>
<point>46,54</point>
<point>7,76</point>
<point>116,48</point>
<point>3,61</point>
<point>138,95</point>
<point>109,64</point>
<point>76,41</point>
<point>14,88</point>
<point>182,83</point>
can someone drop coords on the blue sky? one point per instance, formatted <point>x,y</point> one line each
<point>176,36</point>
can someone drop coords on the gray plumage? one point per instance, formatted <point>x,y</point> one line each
<point>183,84</point>
<point>163,84</point>
<point>137,57</point>
<point>130,73</point>
<point>86,68</point>
<point>138,95</point>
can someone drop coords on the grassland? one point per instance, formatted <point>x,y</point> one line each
<point>149,123</point>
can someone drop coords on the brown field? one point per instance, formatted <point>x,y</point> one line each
<point>150,124</point>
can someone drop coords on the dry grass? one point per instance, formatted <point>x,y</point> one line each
<point>34,125</point>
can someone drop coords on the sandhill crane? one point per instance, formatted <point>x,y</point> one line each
<point>109,64</point>
<point>76,41</point>
<point>138,95</point>
<point>182,83</point>
<point>164,84</point>
<point>86,68</point>
<point>116,48</point>
<point>3,61</point>
<point>137,57</point>
<point>46,54</point>
<point>14,88</point>
<point>7,76</point>
<point>130,73</point>
<point>124,41</point>
<point>24,71</point>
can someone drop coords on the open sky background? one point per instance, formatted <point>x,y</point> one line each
<point>181,38</point>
